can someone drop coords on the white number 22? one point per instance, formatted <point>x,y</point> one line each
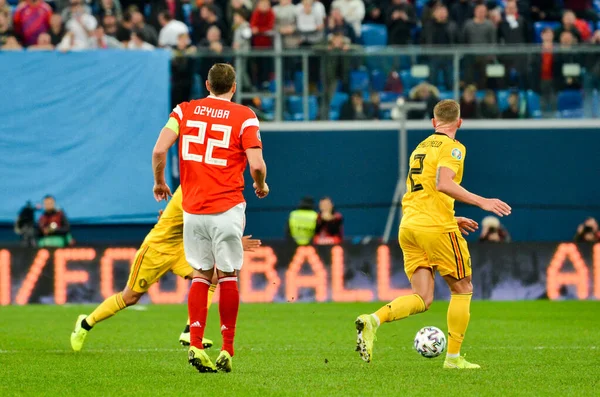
<point>210,144</point>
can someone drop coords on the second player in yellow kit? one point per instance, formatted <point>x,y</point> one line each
<point>429,233</point>
<point>161,252</point>
<point>430,237</point>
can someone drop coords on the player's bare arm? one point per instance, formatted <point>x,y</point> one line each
<point>445,184</point>
<point>466,225</point>
<point>258,170</point>
<point>166,139</point>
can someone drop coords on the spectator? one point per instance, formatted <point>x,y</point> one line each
<point>593,64</point>
<point>215,7</point>
<point>357,109</point>
<point>428,9</point>
<point>468,103</point>
<point>77,5</point>
<point>242,34</point>
<point>111,26</point>
<point>374,105</point>
<point>171,31</point>
<point>462,11</point>
<point>213,42</point>
<point>5,8</point>
<point>262,24</point>
<point>53,226</point>
<point>427,93</point>
<point>373,12</point>
<point>203,20</point>
<point>57,29</point>
<point>101,41</point>
<point>138,41</point>
<point>514,30</point>
<point>336,22</point>
<point>124,28</point>
<point>337,64</point>
<point>562,82</point>
<point>495,17</point>
<point>12,44</point>
<point>546,73</point>
<point>583,9</point>
<point>488,108</point>
<point>31,18</point>
<point>568,25</point>
<point>514,107</point>
<point>242,6</point>
<point>330,224</point>
<point>79,28</point>
<point>5,31</point>
<point>110,7</point>
<point>25,225</point>
<point>478,31</point>
<point>310,22</point>
<point>352,11</point>
<point>302,222</point>
<point>285,23</point>
<point>181,70</point>
<point>401,19</point>
<point>44,43</point>
<point>148,31</point>
<point>544,10</point>
<point>440,31</point>
<point>588,231</point>
<point>493,231</point>
<point>393,83</point>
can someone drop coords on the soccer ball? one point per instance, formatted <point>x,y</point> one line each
<point>430,342</point>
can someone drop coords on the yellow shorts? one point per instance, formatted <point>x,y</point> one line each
<point>150,265</point>
<point>445,252</point>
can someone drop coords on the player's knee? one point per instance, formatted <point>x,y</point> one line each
<point>464,286</point>
<point>131,297</point>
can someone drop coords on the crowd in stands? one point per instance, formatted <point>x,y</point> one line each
<point>334,26</point>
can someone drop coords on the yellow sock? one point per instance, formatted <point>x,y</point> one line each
<point>458,320</point>
<point>211,291</point>
<point>106,309</point>
<point>400,308</point>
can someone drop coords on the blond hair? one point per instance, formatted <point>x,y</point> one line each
<point>446,111</point>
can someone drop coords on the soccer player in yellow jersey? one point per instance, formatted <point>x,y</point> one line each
<point>430,236</point>
<point>161,251</point>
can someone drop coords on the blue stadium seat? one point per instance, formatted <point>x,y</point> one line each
<point>377,80</point>
<point>502,98</point>
<point>187,13</point>
<point>596,104</point>
<point>538,27</point>
<point>570,104</point>
<point>337,101</point>
<point>268,104</point>
<point>359,80</point>
<point>373,34</point>
<point>446,95</point>
<point>597,7</point>
<point>295,111</point>
<point>534,108</point>
<point>480,94</point>
<point>386,96</point>
<point>407,82</point>
<point>298,82</point>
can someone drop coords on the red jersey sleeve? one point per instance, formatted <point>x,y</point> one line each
<point>250,132</point>
<point>179,111</point>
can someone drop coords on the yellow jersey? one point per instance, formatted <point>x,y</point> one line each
<point>167,235</point>
<point>423,206</point>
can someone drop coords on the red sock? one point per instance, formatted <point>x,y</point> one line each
<point>229,303</point>
<point>197,310</point>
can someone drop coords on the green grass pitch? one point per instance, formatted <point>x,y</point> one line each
<point>525,348</point>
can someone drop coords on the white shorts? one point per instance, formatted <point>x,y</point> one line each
<point>215,239</point>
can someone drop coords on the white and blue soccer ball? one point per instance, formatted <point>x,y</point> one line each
<point>430,342</point>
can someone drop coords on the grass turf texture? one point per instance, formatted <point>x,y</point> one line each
<point>525,348</point>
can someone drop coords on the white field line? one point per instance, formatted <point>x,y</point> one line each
<point>288,348</point>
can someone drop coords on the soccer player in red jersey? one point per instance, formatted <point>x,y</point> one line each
<point>216,139</point>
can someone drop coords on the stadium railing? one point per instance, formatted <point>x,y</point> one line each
<point>314,83</point>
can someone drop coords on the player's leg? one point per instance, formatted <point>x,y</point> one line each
<point>419,272</point>
<point>183,270</point>
<point>198,252</point>
<point>455,266</point>
<point>148,266</point>
<point>229,256</point>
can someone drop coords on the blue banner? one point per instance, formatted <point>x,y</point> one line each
<point>81,126</point>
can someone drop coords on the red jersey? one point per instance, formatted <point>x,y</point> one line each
<point>214,134</point>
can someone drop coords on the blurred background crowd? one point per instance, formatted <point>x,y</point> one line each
<point>200,32</point>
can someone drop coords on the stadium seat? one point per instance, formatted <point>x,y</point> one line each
<point>295,110</point>
<point>359,80</point>
<point>597,8</point>
<point>502,98</point>
<point>377,80</point>
<point>298,82</point>
<point>386,96</point>
<point>570,104</point>
<point>373,34</point>
<point>268,104</point>
<point>534,109</point>
<point>187,14</point>
<point>538,27</point>
<point>406,78</point>
<point>596,104</point>
<point>446,95</point>
<point>480,94</point>
<point>337,101</point>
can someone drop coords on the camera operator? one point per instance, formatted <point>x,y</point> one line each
<point>493,231</point>
<point>588,231</point>
<point>25,225</point>
<point>53,226</point>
